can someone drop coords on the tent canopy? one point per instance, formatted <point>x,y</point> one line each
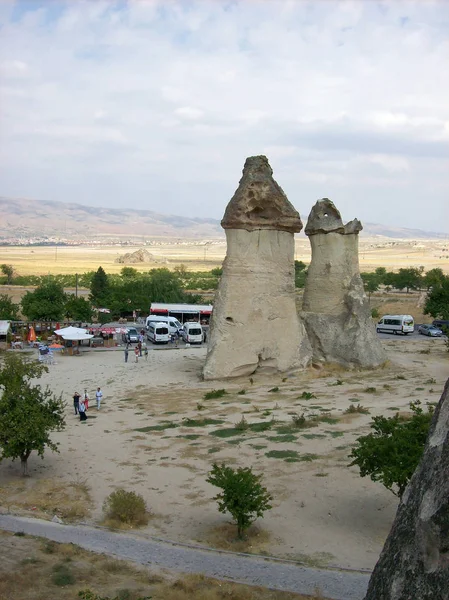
<point>4,327</point>
<point>73,333</point>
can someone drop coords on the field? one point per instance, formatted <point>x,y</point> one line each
<point>158,433</point>
<point>33,569</point>
<point>203,256</point>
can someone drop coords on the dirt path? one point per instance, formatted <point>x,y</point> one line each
<point>275,574</point>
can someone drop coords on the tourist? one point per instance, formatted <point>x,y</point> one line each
<point>145,350</point>
<point>86,400</point>
<point>136,354</point>
<point>126,353</point>
<point>76,402</point>
<point>82,410</point>
<point>139,346</point>
<point>98,396</point>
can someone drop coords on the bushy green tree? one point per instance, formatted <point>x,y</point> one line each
<point>78,309</point>
<point>433,278</point>
<point>392,452</point>
<point>410,279</point>
<point>437,301</point>
<point>371,282</point>
<point>46,303</point>
<point>8,272</point>
<point>243,495</point>
<point>100,289</point>
<point>300,273</point>
<point>9,310</point>
<point>28,413</point>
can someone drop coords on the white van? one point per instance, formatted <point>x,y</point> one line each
<point>192,333</point>
<point>158,333</point>
<point>396,324</point>
<point>173,324</point>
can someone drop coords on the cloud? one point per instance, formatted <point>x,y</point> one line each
<point>161,101</point>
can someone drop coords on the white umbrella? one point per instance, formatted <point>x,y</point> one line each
<point>73,333</point>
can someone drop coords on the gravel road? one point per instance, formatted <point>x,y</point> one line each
<point>275,574</point>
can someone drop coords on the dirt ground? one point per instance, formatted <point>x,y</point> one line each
<point>158,435</point>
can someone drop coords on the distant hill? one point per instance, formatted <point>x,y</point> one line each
<point>25,218</point>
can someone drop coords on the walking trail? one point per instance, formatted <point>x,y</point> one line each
<point>241,568</point>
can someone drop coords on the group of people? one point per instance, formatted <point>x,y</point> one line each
<point>81,404</point>
<point>139,350</point>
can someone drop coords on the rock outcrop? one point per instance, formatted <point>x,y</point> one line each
<point>335,310</point>
<point>414,564</point>
<point>138,257</point>
<point>255,325</point>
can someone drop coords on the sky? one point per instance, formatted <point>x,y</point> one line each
<point>155,104</point>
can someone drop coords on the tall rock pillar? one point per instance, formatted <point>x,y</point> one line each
<point>255,325</point>
<point>336,311</point>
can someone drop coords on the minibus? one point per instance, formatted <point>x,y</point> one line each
<point>158,333</point>
<point>396,324</point>
<point>173,324</point>
<point>192,333</point>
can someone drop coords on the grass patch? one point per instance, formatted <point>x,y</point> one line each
<point>336,434</point>
<point>214,394</point>
<point>308,457</point>
<point>260,426</point>
<point>242,425</point>
<point>225,433</point>
<point>321,474</point>
<point>235,441</point>
<point>189,436</point>
<point>370,390</point>
<point>160,427</point>
<point>201,422</point>
<point>286,438</point>
<point>213,450</point>
<point>241,393</point>
<point>275,389</point>
<point>325,419</point>
<point>306,396</point>
<point>282,454</point>
<point>313,436</point>
<point>258,446</point>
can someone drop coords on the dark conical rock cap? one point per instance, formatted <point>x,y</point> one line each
<point>325,217</point>
<point>259,202</point>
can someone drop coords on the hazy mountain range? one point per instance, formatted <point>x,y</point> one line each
<point>25,218</point>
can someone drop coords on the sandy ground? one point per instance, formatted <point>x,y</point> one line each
<point>323,512</point>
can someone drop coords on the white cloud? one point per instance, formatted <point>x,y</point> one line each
<point>162,100</point>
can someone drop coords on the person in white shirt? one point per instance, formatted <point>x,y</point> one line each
<point>99,396</point>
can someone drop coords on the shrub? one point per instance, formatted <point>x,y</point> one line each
<point>392,452</point>
<point>62,575</point>
<point>242,425</point>
<point>275,389</point>
<point>375,313</point>
<point>299,420</point>
<point>243,495</point>
<point>214,394</point>
<point>126,507</point>
<point>307,396</point>
<point>352,408</point>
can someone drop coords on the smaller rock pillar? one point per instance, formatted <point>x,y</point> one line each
<point>336,311</point>
<point>255,325</point>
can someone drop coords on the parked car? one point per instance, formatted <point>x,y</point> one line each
<point>430,330</point>
<point>440,324</point>
<point>131,336</point>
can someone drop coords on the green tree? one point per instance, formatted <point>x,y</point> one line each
<point>129,273</point>
<point>243,496</point>
<point>392,452</point>
<point>8,309</point>
<point>410,279</point>
<point>433,278</point>
<point>300,273</point>
<point>437,301</point>
<point>100,289</point>
<point>165,287</point>
<point>78,309</point>
<point>46,303</point>
<point>8,271</point>
<point>28,413</point>
<point>370,283</point>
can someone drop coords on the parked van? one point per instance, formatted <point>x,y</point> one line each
<point>192,333</point>
<point>173,324</point>
<point>396,324</point>
<point>158,333</point>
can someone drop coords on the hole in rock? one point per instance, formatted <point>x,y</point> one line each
<point>230,319</point>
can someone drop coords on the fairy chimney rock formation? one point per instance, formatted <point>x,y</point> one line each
<point>414,563</point>
<point>336,311</point>
<point>255,325</point>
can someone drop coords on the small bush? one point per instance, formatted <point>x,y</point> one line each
<point>352,408</point>
<point>275,389</point>
<point>126,508</point>
<point>430,381</point>
<point>62,575</point>
<point>242,425</point>
<point>241,393</point>
<point>299,420</point>
<point>307,396</point>
<point>375,313</point>
<point>370,390</point>
<point>338,382</point>
<point>400,377</point>
<point>214,394</point>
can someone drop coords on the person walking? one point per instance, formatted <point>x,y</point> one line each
<point>139,345</point>
<point>98,396</point>
<point>82,411</point>
<point>136,354</point>
<point>126,353</point>
<point>145,351</point>
<point>86,400</point>
<point>76,402</point>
